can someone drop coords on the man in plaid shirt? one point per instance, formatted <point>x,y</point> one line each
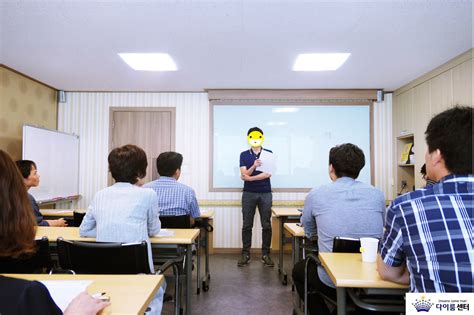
<point>428,239</point>
<point>174,198</point>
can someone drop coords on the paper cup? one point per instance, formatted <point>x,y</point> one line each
<point>369,248</point>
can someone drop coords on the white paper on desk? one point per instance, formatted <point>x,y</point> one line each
<point>64,291</point>
<point>268,160</point>
<point>165,233</point>
<point>202,211</point>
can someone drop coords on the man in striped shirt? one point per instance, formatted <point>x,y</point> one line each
<point>173,198</point>
<point>428,239</point>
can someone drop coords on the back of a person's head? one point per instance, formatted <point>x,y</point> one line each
<point>128,163</point>
<point>25,167</point>
<point>451,132</point>
<point>168,162</point>
<point>17,223</point>
<point>347,160</point>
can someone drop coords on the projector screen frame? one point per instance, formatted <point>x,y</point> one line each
<point>285,103</point>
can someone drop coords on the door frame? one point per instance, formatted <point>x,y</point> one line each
<point>171,110</point>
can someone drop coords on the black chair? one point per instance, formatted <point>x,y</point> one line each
<point>112,258</point>
<point>339,245</point>
<point>176,222</point>
<point>78,217</point>
<point>38,262</point>
<point>103,258</point>
<point>345,245</point>
<point>166,252</point>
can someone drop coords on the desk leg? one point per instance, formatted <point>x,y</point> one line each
<point>296,255</point>
<point>198,272</point>
<point>341,301</point>
<point>293,259</point>
<point>189,274</point>
<point>207,274</point>
<point>284,279</point>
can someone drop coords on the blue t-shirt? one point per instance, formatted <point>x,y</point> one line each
<point>247,158</point>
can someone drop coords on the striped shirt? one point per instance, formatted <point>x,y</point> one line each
<point>432,230</point>
<point>174,198</point>
<point>122,213</point>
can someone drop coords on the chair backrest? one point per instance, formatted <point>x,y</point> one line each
<point>176,221</point>
<point>345,245</point>
<point>35,263</point>
<point>78,217</point>
<point>103,258</point>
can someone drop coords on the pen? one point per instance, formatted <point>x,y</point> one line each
<point>98,295</point>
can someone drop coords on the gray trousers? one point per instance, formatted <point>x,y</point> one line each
<point>250,201</point>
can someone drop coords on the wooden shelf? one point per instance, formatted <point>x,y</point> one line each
<point>405,165</point>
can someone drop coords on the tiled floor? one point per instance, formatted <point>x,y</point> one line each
<point>252,289</point>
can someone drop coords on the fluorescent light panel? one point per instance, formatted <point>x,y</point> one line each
<point>320,62</point>
<point>149,61</point>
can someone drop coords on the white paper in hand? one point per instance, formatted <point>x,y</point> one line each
<point>64,291</point>
<point>268,160</point>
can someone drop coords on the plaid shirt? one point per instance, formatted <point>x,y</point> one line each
<point>432,229</point>
<point>174,198</point>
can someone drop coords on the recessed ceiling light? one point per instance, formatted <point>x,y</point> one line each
<point>319,62</point>
<point>149,61</point>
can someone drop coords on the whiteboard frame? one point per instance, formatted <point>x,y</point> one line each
<point>284,103</point>
<point>65,198</point>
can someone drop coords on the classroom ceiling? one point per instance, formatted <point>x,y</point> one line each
<point>73,45</point>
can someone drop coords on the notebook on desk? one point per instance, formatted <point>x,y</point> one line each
<point>64,291</point>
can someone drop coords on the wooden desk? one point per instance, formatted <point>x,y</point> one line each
<point>294,229</point>
<point>283,215</point>
<point>53,213</point>
<point>204,241</point>
<point>182,237</point>
<point>129,294</point>
<point>297,233</point>
<point>349,271</point>
<point>206,213</point>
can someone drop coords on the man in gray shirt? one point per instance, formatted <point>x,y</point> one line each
<point>345,208</point>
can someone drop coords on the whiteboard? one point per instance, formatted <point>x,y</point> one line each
<point>300,137</point>
<point>56,155</point>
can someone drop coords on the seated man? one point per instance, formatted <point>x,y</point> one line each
<point>173,198</point>
<point>428,237</point>
<point>345,208</point>
<point>31,178</point>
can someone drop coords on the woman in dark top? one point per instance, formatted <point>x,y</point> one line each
<point>17,239</point>
<point>31,178</point>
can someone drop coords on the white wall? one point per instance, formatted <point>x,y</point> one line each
<point>87,114</point>
<point>383,157</point>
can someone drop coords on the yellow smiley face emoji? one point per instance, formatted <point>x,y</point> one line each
<point>255,139</point>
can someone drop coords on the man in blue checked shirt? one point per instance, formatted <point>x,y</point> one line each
<point>173,198</point>
<point>428,239</point>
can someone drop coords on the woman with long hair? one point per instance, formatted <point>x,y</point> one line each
<point>17,239</point>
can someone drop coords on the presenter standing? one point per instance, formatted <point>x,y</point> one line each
<point>257,192</point>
